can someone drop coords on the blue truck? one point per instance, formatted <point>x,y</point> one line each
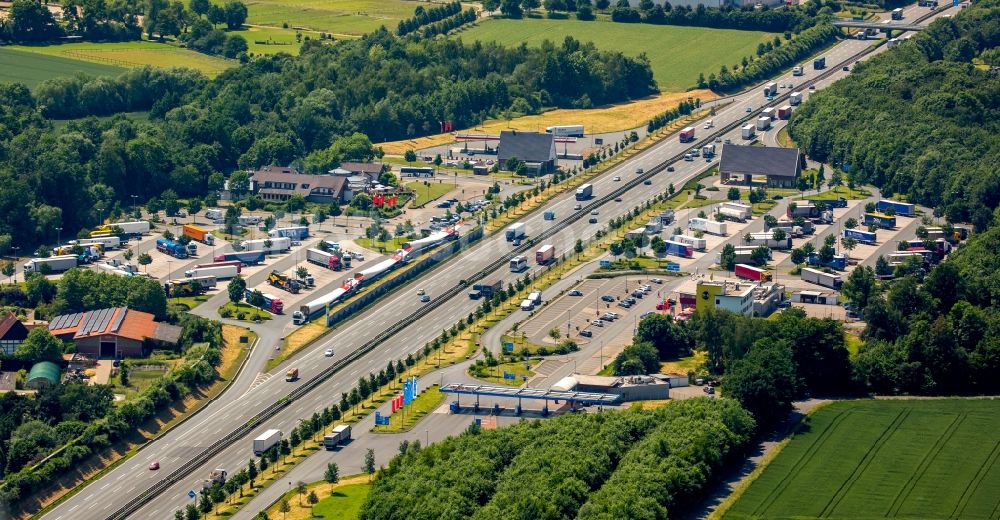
<point>901,208</point>
<point>293,232</point>
<point>880,220</point>
<point>679,249</point>
<point>246,257</point>
<point>839,262</point>
<point>169,247</point>
<point>865,237</point>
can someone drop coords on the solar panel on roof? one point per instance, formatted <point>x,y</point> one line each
<point>118,320</point>
<point>66,320</point>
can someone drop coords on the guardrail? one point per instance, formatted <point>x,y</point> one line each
<point>201,458</point>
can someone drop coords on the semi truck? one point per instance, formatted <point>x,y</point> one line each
<point>736,211</point>
<point>708,150</point>
<point>770,89</point>
<point>112,269</point>
<point>545,254</point>
<point>687,134</point>
<point>281,281</point>
<point>106,242</point>
<point>679,249</point>
<point>169,247</point>
<point>865,237</point>
<point>785,112</point>
<point>270,303</point>
<point>249,220</point>
<point>798,70</point>
<point>838,262</point>
<point>831,281</point>
<point>175,288</point>
<point>767,239</point>
<point>487,289</point>
<point>294,232</point>
<point>897,13</point>
<point>763,123</point>
<point>199,234</point>
<point>749,272</point>
<point>802,210</point>
<point>770,113</point>
<point>707,225</point>
<point>516,231</point>
<point>236,263</point>
<point>245,257</point>
<point>748,131</point>
<point>901,208</point>
<point>744,254</point>
<point>698,244</point>
<point>831,203</point>
<point>653,227</point>
<point>819,63</point>
<point>518,263</point>
<point>134,228</point>
<point>221,272</point>
<point>339,435</point>
<point>565,130</point>
<point>880,220</point>
<point>215,215</point>
<point>266,441</point>
<point>292,375</point>
<point>278,245</point>
<point>900,257</point>
<point>328,260</point>
<point>585,192</point>
<point>795,98</point>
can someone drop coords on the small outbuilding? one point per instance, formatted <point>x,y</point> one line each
<point>43,373</point>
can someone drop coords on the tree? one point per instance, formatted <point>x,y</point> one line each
<point>332,474</point>
<point>511,8</point>
<point>778,234</point>
<point>760,255</point>
<point>144,260</point>
<point>30,21</point>
<point>312,499</point>
<point>239,184</point>
<point>848,243</point>
<point>578,247</point>
<point>727,259</point>
<point>852,223</point>
<point>40,345</point>
<point>300,489</point>
<point>123,375</point>
<point>860,286</point>
<point>370,462</point>
<point>199,7</point>
<point>798,255</point>
<point>237,289</point>
<point>8,269</point>
<point>734,194</point>
<point>284,507</point>
<point>764,381</point>
<point>236,14</point>
<point>410,156</point>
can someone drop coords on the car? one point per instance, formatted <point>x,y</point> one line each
<point>575,292</point>
<point>630,301</point>
<point>425,298</point>
<point>846,68</point>
<point>155,465</point>
<point>618,199</point>
<point>638,294</point>
<point>624,304</point>
<point>359,256</point>
<point>749,109</point>
<point>328,352</point>
<point>594,212</point>
<point>592,220</point>
<point>812,87</point>
<point>586,333</point>
<point>784,304</point>
<point>647,182</point>
<point>645,315</point>
<point>616,178</point>
<point>597,323</point>
<point>718,139</point>
<point>710,390</point>
<point>608,298</point>
<point>729,141</point>
<point>116,363</point>
<point>670,168</point>
<point>517,242</point>
<point>656,280</point>
<point>671,301</point>
<point>577,207</point>
<point>688,157</point>
<point>421,292</point>
<point>639,171</point>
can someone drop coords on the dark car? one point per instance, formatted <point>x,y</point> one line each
<point>593,220</point>
<point>846,68</point>
<point>618,199</point>
<point>575,292</point>
<point>586,333</point>
<point>647,182</point>
<point>608,298</point>
<point>670,168</point>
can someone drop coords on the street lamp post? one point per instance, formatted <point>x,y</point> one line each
<point>58,237</point>
<point>134,197</point>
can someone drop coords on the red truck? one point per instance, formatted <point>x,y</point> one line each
<point>785,112</point>
<point>545,254</point>
<point>687,134</point>
<point>750,272</point>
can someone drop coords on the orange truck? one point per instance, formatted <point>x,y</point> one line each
<point>292,374</point>
<point>198,234</point>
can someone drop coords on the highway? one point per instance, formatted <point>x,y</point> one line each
<point>242,403</point>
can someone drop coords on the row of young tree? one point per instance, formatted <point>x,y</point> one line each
<point>945,123</point>
<point>583,465</point>
<point>100,20</point>
<point>422,17</point>
<point>746,18</point>
<point>274,110</point>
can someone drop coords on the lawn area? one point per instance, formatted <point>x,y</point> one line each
<point>428,192</point>
<point>407,417</point>
<point>783,138</point>
<point>249,312</point>
<point>522,370</point>
<point>340,501</point>
<point>272,40</point>
<point>340,17</point>
<point>684,365</point>
<point>32,68</point>
<point>676,54</point>
<point>188,302</point>
<point>612,118</point>
<point>377,245</point>
<point>131,116</point>
<point>124,55</point>
<point>914,459</point>
<point>138,380</point>
<point>838,192</point>
<point>344,504</point>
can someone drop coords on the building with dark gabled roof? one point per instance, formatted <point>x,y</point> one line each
<point>274,183</point>
<point>740,163</point>
<point>12,333</point>
<point>537,150</point>
<point>114,332</point>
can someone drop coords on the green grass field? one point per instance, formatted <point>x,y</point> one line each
<point>676,54</point>
<point>344,504</point>
<point>425,194</point>
<point>913,459</point>
<point>122,55</point>
<point>405,419</point>
<point>32,68</point>
<point>340,17</point>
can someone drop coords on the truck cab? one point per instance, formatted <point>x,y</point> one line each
<point>292,374</point>
<point>298,318</point>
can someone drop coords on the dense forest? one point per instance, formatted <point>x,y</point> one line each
<point>602,465</point>
<point>274,110</point>
<point>921,120</point>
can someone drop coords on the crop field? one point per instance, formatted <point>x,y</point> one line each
<point>133,54</point>
<point>913,459</point>
<point>33,68</point>
<point>676,54</point>
<point>340,17</point>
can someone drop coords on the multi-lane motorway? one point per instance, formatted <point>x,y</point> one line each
<point>240,404</point>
